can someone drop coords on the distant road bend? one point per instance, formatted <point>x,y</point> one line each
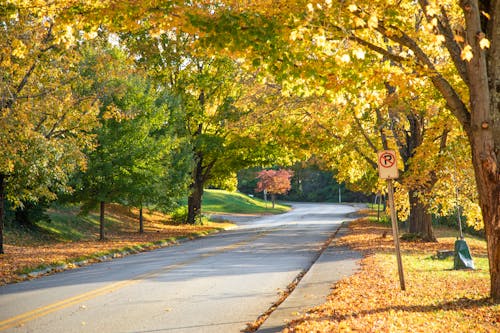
<point>218,283</point>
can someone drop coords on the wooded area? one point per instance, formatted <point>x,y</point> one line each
<point>144,103</point>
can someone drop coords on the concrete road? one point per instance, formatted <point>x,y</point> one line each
<point>217,283</point>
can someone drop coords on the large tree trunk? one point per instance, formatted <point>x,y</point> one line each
<point>196,194</point>
<point>483,72</point>
<point>490,194</point>
<point>194,203</point>
<point>420,220</point>
<point>2,208</point>
<point>487,172</point>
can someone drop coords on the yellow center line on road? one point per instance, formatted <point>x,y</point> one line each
<point>50,308</point>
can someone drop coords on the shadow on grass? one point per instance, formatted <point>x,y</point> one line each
<point>456,305</point>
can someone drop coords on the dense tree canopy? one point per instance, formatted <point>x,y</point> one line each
<point>424,61</point>
<point>454,46</point>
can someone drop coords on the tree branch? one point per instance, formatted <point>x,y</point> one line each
<point>377,49</point>
<point>444,27</point>
<point>367,139</point>
<point>453,100</point>
<point>337,137</point>
<point>380,125</point>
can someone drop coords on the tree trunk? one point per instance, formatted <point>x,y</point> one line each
<point>196,194</point>
<point>2,208</point>
<point>490,194</point>
<point>141,221</point>
<point>194,203</point>
<point>101,221</point>
<point>493,240</point>
<point>488,186</point>
<point>420,220</point>
<point>483,71</point>
<point>273,199</point>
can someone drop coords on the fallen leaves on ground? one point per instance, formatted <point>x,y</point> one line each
<point>436,299</point>
<point>22,257</point>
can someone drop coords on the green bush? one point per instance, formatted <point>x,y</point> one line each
<point>179,215</point>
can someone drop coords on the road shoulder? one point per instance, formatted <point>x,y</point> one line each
<point>334,264</point>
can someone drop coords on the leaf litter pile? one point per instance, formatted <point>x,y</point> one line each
<point>437,298</point>
<point>47,255</point>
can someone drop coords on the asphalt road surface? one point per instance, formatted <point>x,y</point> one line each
<point>218,283</point>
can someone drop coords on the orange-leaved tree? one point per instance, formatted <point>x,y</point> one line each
<point>274,182</point>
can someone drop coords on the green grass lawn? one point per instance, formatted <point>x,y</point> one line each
<point>218,201</point>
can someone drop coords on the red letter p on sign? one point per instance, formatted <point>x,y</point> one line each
<point>387,166</point>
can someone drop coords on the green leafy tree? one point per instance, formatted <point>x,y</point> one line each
<point>206,110</point>
<point>158,176</point>
<point>211,122</point>
<point>131,162</point>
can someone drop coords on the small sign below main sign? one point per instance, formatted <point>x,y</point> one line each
<point>387,166</point>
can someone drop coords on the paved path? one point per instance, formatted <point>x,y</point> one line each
<point>335,263</point>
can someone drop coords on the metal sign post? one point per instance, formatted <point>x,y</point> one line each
<point>395,233</point>
<point>387,168</point>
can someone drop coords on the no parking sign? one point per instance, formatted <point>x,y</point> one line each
<point>387,166</point>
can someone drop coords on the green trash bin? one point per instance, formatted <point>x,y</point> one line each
<point>463,259</point>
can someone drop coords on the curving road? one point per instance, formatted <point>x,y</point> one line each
<point>217,283</point>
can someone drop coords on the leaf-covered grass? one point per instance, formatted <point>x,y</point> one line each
<point>71,238</point>
<point>66,225</point>
<point>437,298</point>
<point>218,201</point>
